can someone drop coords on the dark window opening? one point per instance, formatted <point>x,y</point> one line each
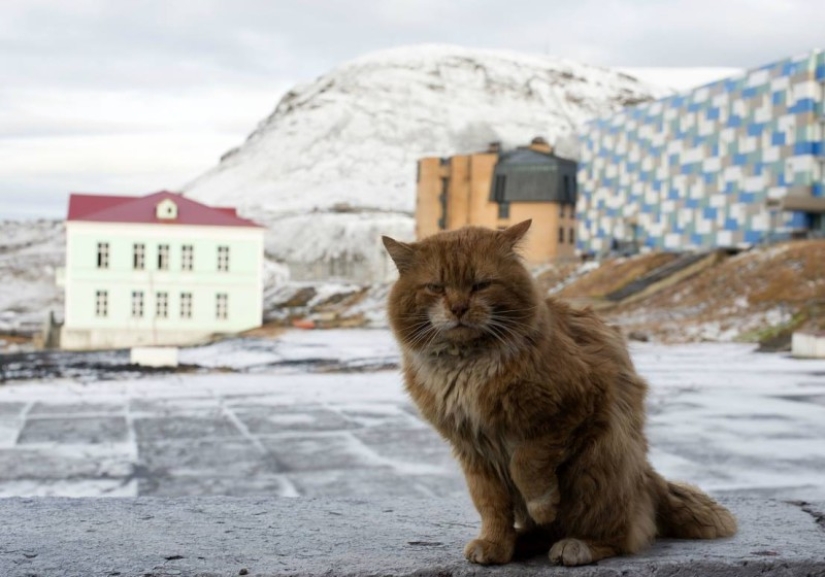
<point>572,236</point>
<point>561,235</point>
<point>103,255</point>
<point>504,210</point>
<point>163,257</point>
<point>445,187</point>
<point>498,190</point>
<point>139,256</point>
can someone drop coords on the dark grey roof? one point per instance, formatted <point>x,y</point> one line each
<point>525,175</point>
<point>522,156</point>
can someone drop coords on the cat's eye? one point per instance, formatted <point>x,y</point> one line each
<point>436,288</point>
<point>481,285</point>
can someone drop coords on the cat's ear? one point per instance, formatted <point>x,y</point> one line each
<point>401,253</point>
<point>513,235</point>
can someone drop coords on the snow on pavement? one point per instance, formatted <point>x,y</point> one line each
<point>720,416</point>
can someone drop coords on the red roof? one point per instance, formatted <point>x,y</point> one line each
<point>143,210</point>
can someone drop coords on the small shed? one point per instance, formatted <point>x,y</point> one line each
<point>808,345</point>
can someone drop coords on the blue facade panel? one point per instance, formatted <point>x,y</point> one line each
<point>710,161</point>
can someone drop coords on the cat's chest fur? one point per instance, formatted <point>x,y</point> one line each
<point>462,397</point>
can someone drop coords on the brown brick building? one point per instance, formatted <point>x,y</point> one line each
<point>495,189</point>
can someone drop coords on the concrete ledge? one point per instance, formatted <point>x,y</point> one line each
<point>268,537</point>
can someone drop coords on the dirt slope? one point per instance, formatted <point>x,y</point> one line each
<point>751,296</point>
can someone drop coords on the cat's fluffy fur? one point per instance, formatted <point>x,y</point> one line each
<point>541,403</point>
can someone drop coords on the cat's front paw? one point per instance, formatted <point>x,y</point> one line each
<point>486,552</point>
<point>571,552</point>
<point>544,509</point>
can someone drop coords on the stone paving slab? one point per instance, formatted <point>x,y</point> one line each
<point>185,427</point>
<point>74,430</point>
<point>323,537</point>
<point>44,408</point>
<point>280,419</point>
<point>44,463</point>
<point>11,410</point>
<point>228,457</point>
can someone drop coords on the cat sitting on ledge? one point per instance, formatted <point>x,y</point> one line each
<point>541,403</point>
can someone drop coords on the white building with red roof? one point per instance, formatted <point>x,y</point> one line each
<point>158,270</point>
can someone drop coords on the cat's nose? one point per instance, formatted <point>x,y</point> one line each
<point>459,309</point>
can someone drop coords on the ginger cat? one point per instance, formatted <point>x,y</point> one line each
<point>540,402</point>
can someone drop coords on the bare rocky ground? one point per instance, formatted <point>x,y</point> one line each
<point>761,295</point>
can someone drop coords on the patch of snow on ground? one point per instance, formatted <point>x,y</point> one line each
<point>720,416</point>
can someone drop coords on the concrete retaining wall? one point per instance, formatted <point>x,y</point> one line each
<point>279,537</point>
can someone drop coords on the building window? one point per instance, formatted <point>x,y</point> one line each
<point>561,210</point>
<point>139,256</point>
<point>223,258</point>
<point>187,257</point>
<point>222,306</point>
<point>103,255</point>
<point>498,190</point>
<point>102,304</point>
<point>186,305</point>
<point>163,257</point>
<point>561,235</point>
<point>137,304</point>
<point>162,305</point>
<point>572,237</point>
<point>443,199</point>
<point>504,210</point>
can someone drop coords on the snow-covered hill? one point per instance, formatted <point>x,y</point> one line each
<point>352,137</point>
<point>333,167</point>
<point>30,253</point>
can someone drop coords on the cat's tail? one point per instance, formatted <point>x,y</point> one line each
<point>685,512</point>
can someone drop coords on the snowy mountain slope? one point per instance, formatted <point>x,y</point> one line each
<point>30,252</point>
<point>353,136</point>
<point>680,78</point>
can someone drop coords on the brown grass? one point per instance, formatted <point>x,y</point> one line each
<point>789,277</point>
<point>790,273</point>
<point>614,274</point>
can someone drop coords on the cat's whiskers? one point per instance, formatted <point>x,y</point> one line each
<point>499,337</point>
<point>418,332</point>
<point>421,335</point>
<point>505,333</point>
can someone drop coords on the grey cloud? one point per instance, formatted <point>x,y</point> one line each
<point>158,43</point>
<point>190,47</point>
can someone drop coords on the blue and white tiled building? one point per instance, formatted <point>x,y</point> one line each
<point>727,164</point>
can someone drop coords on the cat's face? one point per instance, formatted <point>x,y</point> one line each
<point>459,287</point>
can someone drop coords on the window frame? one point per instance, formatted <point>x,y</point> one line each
<point>164,252</point>
<point>222,306</point>
<point>138,304</point>
<point>139,256</point>
<point>186,305</point>
<point>162,305</point>
<point>102,304</point>
<point>187,257</point>
<point>103,251</point>
<point>223,258</point>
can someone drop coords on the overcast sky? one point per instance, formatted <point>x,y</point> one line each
<point>130,97</point>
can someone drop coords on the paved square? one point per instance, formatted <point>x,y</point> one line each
<point>720,416</point>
